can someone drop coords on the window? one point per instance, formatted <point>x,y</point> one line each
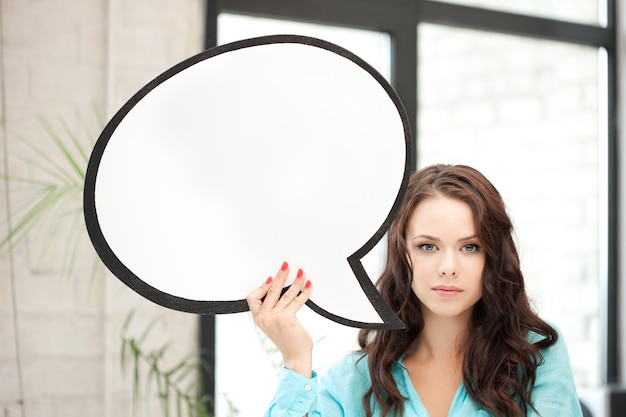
<point>332,340</point>
<point>514,108</point>
<point>581,11</point>
<point>524,91</point>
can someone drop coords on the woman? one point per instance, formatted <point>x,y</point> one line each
<point>472,345</point>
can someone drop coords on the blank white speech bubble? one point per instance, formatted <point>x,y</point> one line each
<point>272,149</point>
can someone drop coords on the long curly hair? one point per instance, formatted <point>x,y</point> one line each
<point>499,363</point>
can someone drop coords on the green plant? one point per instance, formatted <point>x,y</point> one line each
<point>232,410</point>
<point>176,386</point>
<point>49,199</point>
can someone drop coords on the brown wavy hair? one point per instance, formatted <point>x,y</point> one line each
<point>499,363</point>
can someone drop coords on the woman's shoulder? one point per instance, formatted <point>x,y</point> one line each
<point>556,352</point>
<point>349,363</point>
<point>347,380</point>
<point>352,366</point>
<point>534,336</point>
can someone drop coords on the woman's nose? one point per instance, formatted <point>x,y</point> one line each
<point>447,267</point>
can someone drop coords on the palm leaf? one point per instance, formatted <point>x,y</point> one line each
<point>48,206</point>
<point>63,148</point>
<point>172,395</point>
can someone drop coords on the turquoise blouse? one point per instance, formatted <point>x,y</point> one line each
<point>338,393</point>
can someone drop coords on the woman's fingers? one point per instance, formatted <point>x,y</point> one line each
<point>297,294</point>
<point>276,286</point>
<point>268,295</point>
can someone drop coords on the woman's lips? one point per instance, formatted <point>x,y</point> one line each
<point>447,291</point>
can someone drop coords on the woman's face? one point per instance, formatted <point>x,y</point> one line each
<point>446,257</point>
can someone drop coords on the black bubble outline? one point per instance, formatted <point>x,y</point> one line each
<point>113,263</point>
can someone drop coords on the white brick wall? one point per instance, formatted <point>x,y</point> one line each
<point>60,335</point>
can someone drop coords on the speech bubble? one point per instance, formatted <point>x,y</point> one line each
<point>276,148</point>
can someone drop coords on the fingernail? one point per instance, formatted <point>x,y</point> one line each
<point>269,280</point>
<point>299,273</point>
<point>308,284</point>
<point>284,266</point>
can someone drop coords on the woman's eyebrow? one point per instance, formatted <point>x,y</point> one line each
<point>472,237</point>
<point>429,237</point>
<point>423,236</point>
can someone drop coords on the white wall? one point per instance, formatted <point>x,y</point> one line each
<point>60,335</point>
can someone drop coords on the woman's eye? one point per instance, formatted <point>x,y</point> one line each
<point>427,247</point>
<point>471,248</point>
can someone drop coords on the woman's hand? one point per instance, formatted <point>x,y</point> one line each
<point>275,315</point>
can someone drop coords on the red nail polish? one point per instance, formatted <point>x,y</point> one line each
<point>269,280</point>
<point>308,284</point>
<point>300,273</point>
<point>284,266</point>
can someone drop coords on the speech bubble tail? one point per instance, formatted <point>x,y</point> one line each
<point>389,320</point>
